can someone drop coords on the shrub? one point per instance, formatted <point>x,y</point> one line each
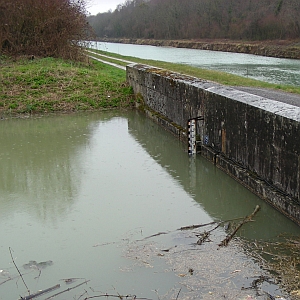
<point>45,28</point>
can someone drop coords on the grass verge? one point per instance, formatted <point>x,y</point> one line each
<point>52,85</point>
<point>216,76</point>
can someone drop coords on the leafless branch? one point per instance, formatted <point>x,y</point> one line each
<point>19,271</point>
<point>246,220</point>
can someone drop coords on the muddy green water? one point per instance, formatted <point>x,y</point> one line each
<point>80,194</point>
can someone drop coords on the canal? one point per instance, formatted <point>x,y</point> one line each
<point>268,69</point>
<point>96,202</point>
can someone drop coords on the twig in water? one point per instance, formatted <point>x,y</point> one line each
<point>14,277</point>
<point>37,294</point>
<point>70,280</point>
<point>153,235</point>
<point>67,290</point>
<point>203,237</point>
<point>191,227</point>
<point>85,292</point>
<point>133,297</point>
<point>19,271</point>
<point>178,294</point>
<point>40,272</point>
<point>167,250</point>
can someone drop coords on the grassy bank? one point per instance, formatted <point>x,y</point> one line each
<point>52,85</point>
<point>212,75</point>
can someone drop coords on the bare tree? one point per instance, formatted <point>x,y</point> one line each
<point>181,19</point>
<point>43,28</point>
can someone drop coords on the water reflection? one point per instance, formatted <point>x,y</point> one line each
<point>41,163</point>
<point>217,193</point>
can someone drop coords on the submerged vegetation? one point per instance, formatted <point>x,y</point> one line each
<point>52,85</point>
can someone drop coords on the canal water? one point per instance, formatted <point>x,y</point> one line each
<point>95,202</point>
<point>268,69</point>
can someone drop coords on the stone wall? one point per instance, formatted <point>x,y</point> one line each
<point>253,139</point>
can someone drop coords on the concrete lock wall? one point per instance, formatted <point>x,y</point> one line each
<point>253,139</point>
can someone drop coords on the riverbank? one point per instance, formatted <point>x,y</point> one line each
<point>276,48</point>
<point>205,74</point>
<point>46,85</point>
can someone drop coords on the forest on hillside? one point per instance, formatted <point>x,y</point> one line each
<point>200,19</point>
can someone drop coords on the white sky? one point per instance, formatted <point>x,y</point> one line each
<point>100,6</point>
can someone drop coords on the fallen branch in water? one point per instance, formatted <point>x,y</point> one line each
<point>67,290</point>
<point>133,297</point>
<point>246,220</point>
<point>203,237</point>
<point>191,227</point>
<point>39,293</point>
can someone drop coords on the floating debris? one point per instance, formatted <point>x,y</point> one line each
<point>35,265</point>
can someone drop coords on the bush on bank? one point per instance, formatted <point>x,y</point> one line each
<point>45,28</point>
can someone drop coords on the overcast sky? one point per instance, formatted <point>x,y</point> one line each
<point>99,6</point>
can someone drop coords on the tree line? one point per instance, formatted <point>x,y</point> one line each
<point>199,19</point>
<point>43,28</point>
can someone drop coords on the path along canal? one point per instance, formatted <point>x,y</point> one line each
<point>268,69</point>
<point>101,197</point>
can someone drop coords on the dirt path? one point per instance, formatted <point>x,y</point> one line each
<point>105,61</point>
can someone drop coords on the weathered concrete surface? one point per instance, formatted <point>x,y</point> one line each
<point>252,138</point>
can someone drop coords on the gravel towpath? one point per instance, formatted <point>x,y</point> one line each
<point>289,98</point>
